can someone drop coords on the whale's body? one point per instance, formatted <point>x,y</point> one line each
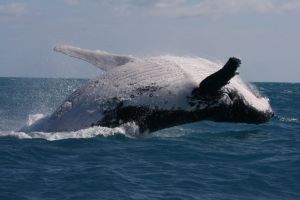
<point>154,93</point>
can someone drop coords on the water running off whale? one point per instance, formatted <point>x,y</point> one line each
<point>155,93</point>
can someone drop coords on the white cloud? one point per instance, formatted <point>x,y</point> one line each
<point>291,6</point>
<point>72,2</point>
<point>212,8</point>
<point>169,3</point>
<point>217,8</point>
<point>13,9</point>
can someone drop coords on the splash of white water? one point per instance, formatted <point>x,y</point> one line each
<point>34,117</point>
<point>130,130</point>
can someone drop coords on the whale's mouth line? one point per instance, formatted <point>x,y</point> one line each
<point>238,107</point>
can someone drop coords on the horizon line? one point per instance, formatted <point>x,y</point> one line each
<point>86,78</point>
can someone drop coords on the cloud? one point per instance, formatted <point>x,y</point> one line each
<point>72,2</point>
<point>292,6</point>
<point>13,9</point>
<point>211,8</point>
<point>217,8</point>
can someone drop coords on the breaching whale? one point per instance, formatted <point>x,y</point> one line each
<point>155,93</point>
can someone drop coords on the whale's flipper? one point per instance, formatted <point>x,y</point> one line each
<point>100,59</point>
<point>217,80</point>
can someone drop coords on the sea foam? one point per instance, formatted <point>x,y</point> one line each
<point>130,130</point>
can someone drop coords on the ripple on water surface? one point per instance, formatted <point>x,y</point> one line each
<point>203,160</point>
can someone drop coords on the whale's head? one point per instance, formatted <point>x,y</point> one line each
<point>227,98</point>
<point>238,102</point>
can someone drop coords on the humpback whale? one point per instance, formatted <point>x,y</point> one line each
<point>155,93</point>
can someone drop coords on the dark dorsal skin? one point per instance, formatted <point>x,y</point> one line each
<point>213,83</point>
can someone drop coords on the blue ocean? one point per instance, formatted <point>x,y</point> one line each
<point>203,160</point>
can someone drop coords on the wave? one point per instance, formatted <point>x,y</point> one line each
<point>130,130</point>
<point>288,119</point>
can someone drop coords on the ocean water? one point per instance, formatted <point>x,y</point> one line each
<point>203,160</point>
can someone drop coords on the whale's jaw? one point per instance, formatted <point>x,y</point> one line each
<point>243,113</point>
<point>243,106</point>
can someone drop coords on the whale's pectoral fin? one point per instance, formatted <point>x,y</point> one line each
<point>217,80</point>
<point>100,59</point>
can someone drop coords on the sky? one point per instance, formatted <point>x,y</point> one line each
<point>263,33</point>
